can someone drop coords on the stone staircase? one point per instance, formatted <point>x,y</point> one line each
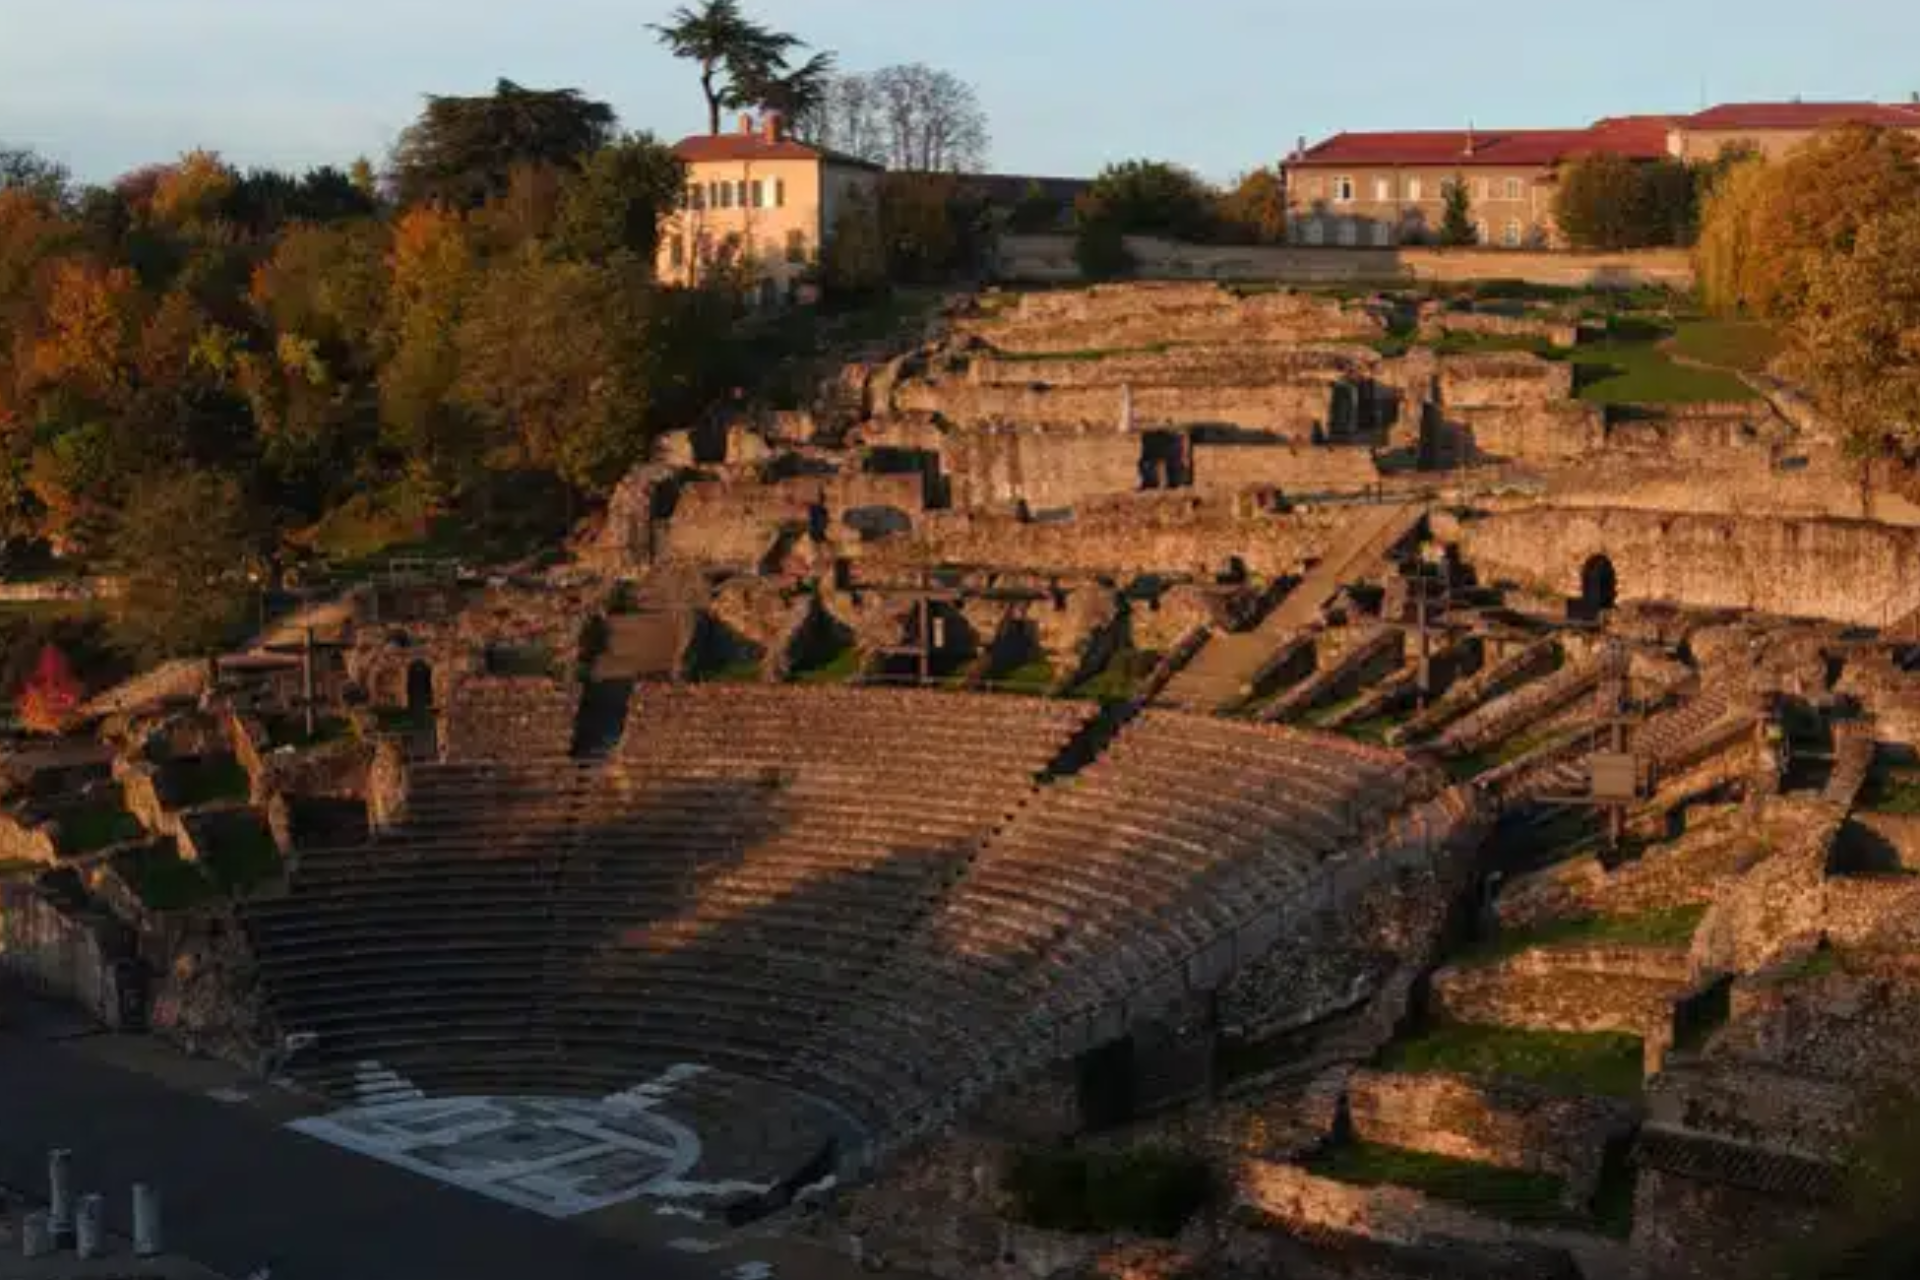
<point>1225,668</point>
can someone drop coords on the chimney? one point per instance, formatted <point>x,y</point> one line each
<point>1472,145</point>
<point>1300,147</point>
<point>773,126</point>
<point>746,122</point>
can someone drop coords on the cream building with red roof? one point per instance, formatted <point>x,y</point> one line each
<point>760,197</point>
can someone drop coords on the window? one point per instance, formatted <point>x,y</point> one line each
<point>1480,235</point>
<point>1481,188</point>
<point>796,246</point>
<point>726,195</point>
<point>740,193</point>
<point>1382,235</point>
<point>1416,190</point>
<point>1343,190</point>
<point>779,193</point>
<point>1516,189</point>
<point>1512,234</point>
<point>759,194</point>
<point>1383,190</point>
<point>1349,231</point>
<point>677,252</point>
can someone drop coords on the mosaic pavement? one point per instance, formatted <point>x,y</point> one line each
<point>557,1156</point>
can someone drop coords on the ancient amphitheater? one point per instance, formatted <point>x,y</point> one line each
<point>1303,738</point>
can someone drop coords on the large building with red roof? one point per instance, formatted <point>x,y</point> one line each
<point>1379,189</point>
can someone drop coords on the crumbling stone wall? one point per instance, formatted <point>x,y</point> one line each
<point>1614,989</point>
<point>1146,533</point>
<point>1108,317</point>
<point>1291,409</point>
<point>1843,570</point>
<point>1528,432</point>
<point>208,998</point>
<point>1748,1101</point>
<point>1688,1229</point>
<point>1503,379</point>
<point>1503,1123</point>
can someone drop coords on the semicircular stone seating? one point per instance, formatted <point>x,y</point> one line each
<point>867,895</point>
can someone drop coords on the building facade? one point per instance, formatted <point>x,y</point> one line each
<point>1773,129</point>
<point>1382,189</point>
<point>764,202</point>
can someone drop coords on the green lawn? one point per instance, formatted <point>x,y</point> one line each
<point>1628,367</point>
<point>1507,1193</point>
<point>1745,345</point>
<point>1122,677</point>
<point>1034,676</point>
<point>96,827</point>
<point>1673,927</point>
<point>1891,791</point>
<point>840,668</point>
<point>1607,1064</point>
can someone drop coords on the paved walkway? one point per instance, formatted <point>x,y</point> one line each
<point>240,1190</point>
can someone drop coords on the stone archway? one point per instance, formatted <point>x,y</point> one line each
<point>419,689</point>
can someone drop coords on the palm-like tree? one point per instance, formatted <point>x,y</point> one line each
<point>799,95</point>
<point>733,51</point>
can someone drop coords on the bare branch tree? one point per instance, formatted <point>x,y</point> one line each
<point>913,118</point>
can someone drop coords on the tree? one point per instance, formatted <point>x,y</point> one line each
<point>734,53</point>
<point>933,226</point>
<point>1035,212</point>
<point>1856,339</point>
<point>1767,225</point>
<point>618,200</point>
<point>51,697</point>
<point>1456,223</point>
<point>1608,202</point>
<point>798,95</point>
<point>1149,197</point>
<point>463,151</point>
<point>1255,211</point>
<point>183,546</point>
<point>1100,250</point>
<point>853,262</point>
<point>910,118</point>
<point>434,273</point>
<point>23,170</point>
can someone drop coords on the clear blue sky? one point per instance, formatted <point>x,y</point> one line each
<point>1221,85</point>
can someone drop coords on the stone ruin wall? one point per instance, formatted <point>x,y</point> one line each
<point>1502,1123</point>
<point>1689,1230</point>
<point>1118,317</point>
<point>1293,410</point>
<point>1147,533</point>
<point>1240,364</point>
<point>1841,570</point>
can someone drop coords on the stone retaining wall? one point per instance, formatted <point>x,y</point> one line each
<point>1689,871</point>
<point>1626,989</point>
<point>1842,570</point>
<point>1504,1123</point>
<point>1150,533</point>
<point>1749,1102</point>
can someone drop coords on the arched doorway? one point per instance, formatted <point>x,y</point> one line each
<point>1599,587</point>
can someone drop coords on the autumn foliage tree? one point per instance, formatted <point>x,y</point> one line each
<point>51,697</point>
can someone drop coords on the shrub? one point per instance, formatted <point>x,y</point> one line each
<point>1100,250</point>
<point>1148,1191</point>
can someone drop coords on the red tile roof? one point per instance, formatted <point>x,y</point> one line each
<point>1639,137</point>
<point>704,147</point>
<point>1801,115</point>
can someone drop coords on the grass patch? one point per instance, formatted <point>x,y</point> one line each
<point>841,667</point>
<point>1085,355</point>
<point>163,881</point>
<point>1034,676</point>
<point>1817,963</point>
<point>402,720</point>
<point>1744,345</point>
<point>1670,928</point>
<point>1508,1193</point>
<point>207,781</point>
<point>742,670</point>
<point>1606,1064</point>
<point>1891,791</point>
<point>97,827</point>
<point>1121,678</point>
<point>1373,731</point>
<point>1628,367</point>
